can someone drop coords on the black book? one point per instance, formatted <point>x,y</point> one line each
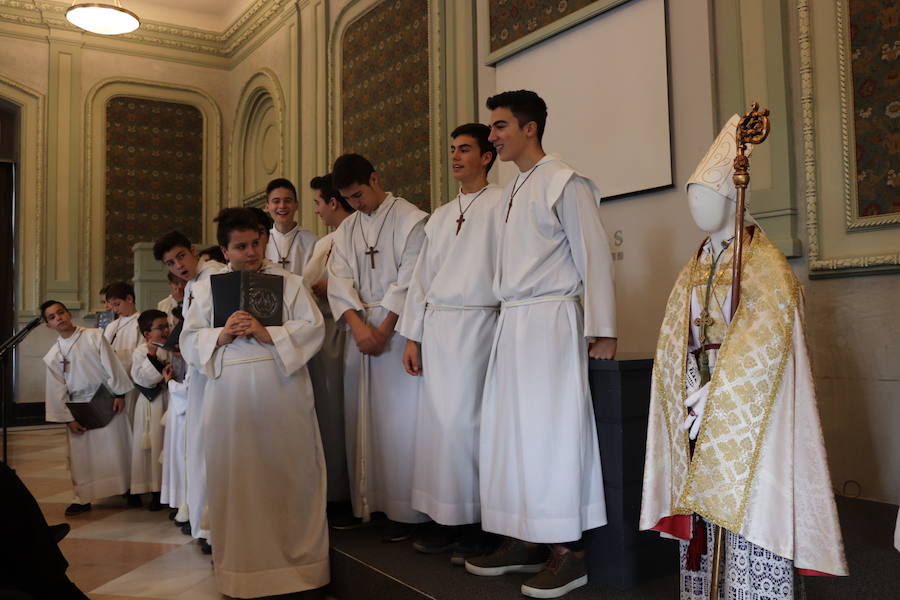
<point>260,294</point>
<point>95,414</point>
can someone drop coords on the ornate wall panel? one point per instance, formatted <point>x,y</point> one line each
<point>154,176</point>
<point>385,95</point>
<point>513,19</point>
<point>259,144</point>
<point>875,54</point>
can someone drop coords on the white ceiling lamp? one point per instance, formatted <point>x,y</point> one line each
<point>103,18</point>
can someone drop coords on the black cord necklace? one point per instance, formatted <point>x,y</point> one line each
<point>371,252</point>
<point>515,189</point>
<point>462,211</point>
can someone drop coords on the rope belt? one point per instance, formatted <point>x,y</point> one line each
<point>251,359</point>
<point>368,305</point>
<point>429,306</point>
<point>539,300</point>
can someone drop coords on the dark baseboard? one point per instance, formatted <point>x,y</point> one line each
<point>27,413</point>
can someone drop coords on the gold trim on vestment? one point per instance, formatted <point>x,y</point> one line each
<point>716,482</point>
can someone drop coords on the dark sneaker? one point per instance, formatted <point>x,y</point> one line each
<point>564,572</point>
<point>396,532</point>
<point>172,513</point>
<point>186,528</point>
<point>76,509</point>
<point>436,539</point>
<point>205,548</point>
<point>345,522</point>
<point>512,556</point>
<point>473,542</point>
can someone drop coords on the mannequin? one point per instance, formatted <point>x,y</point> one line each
<point>733,438</point>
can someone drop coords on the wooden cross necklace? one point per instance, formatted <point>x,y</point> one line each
<point>65,362</point>
<point>371,252</point>
<point>515,189</point>
<point>462,211</point>
<point>284,260</point>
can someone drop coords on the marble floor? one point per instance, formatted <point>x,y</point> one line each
<point>114,552</point>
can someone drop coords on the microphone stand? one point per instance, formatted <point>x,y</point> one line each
<point>5,348</point>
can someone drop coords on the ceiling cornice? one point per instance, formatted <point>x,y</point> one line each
<point>32,19</point>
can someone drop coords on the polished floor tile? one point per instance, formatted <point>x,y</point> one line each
<point>93,563</point>
<point>135,525</point>
<point>168,576</point>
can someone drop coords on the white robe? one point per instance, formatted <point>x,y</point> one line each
<point>296,246</point>
<point>327,372</point>
<point>147,429</point>
<point>452,311</point>
<point>124,336</point>
<point>174,468</point>
<point>265,467</point>
<point>167,305</point>
<point>193,422</point>
<point>379,397</point>
<point>540,464</point>
<point>99,459</point>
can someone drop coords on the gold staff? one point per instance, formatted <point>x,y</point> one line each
<point>753,128</point>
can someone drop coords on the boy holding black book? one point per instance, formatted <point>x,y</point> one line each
<point>80,362</point>
<point>148,363</point>
<point>260,419</point>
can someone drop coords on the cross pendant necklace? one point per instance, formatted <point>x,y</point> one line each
<point>371,252</point>
<point>65,362</point>
<point>284,260</point>
<point>462,211</point>
<point>516,189</point>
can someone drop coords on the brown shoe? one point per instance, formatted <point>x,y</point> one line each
<point>563,573</point>
<point>511,557</point>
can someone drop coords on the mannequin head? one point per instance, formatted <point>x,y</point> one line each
<point>711,211</point>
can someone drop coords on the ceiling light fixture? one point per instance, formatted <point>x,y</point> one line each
<point>102,18</point>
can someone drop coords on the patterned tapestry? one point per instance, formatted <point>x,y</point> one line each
<point>154,176</point>
<point>384,89</point>
<point>875,48</point>
<point>513,19</point>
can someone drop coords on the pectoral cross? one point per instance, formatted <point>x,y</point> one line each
<point>191,298</point>
<point>283,261</point>
<point>459,223</point>
<point>65,364</point>
<point>704,321</point>
<point>371,252</point>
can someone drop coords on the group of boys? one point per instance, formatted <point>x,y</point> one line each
<point>441,363</point>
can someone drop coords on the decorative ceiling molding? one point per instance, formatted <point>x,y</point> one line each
<point>152,38</point>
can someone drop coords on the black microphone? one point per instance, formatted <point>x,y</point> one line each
<point>31,324</point>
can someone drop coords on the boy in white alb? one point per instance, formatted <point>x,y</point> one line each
<point>80,362</point>
<point>540,476</point>
<point>451,311</point>
<point>180,257</point>
<point>123,335</point>
<point>147,364</point>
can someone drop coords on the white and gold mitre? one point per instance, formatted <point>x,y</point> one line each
<point>716,170</point>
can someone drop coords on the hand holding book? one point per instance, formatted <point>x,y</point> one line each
<point>243,323</point>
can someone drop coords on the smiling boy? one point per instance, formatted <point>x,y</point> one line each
<point>80,362</point>
<point>451,311</point>
<point>289,245</point>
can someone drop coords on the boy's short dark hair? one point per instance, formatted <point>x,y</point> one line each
<point>234,219</point>
<point>349,169</point>
<point>264,219</point>
<point>119,290</point>
<point>324,185</point>
<point>47,304</point>
<point>173,239</point>
<point>480,132</point>
<point>146,318</point>
<point>103,289</point>
<point>281,182</point>
<point>214,253</point>
<point>525,105</point>
<point>173,278</point>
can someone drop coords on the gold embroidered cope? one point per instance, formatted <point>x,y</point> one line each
<point>716,483</point>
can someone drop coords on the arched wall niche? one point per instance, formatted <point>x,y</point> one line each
<point>31,197</point>
<point>260,144</point>
<point>92,258</point>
